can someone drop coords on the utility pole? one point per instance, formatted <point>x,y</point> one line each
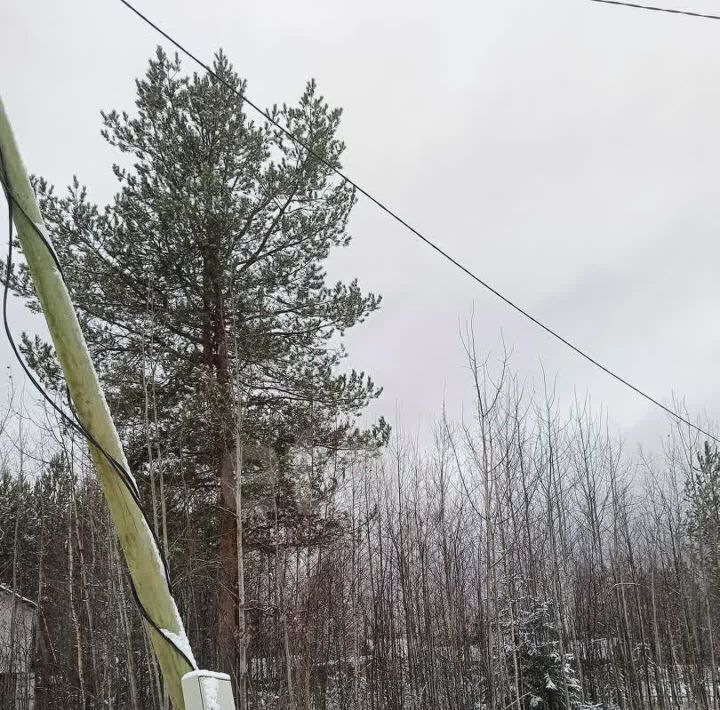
<point>137,542</point>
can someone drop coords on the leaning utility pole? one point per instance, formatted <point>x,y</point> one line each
<point>137,542</point>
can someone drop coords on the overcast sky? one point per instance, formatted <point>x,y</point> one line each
<point>566,151</point>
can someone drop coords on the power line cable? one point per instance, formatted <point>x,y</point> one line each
<point>74,421</point>
<point>654,8</point>
<point>400,220</point>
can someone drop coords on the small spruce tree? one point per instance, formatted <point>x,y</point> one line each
<point>546,678</point>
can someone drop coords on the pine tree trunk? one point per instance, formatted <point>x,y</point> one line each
<point>217,360</point>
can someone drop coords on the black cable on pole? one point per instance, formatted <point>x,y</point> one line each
<point>654,8</point>
<point>74,421</point>
<point>378,203</point>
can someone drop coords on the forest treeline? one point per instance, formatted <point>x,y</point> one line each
<point>521,558</point>
<point>524,560</point>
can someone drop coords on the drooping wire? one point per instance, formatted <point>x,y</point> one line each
<point>73,420</point>
<point>417,233</point>
<point>654,8</point>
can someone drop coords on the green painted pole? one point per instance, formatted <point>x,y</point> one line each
<point>136,539</point>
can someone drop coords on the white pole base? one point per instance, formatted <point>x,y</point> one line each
<point>205,690</point>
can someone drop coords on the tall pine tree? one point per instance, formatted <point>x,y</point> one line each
<point>202,293</point>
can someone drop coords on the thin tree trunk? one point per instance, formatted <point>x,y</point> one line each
<point>242,640</point>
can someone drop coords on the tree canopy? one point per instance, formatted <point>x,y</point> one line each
<point>204,297</point>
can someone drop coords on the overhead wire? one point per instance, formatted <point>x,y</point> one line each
<point>655,8</point>
<point>416,232</point>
